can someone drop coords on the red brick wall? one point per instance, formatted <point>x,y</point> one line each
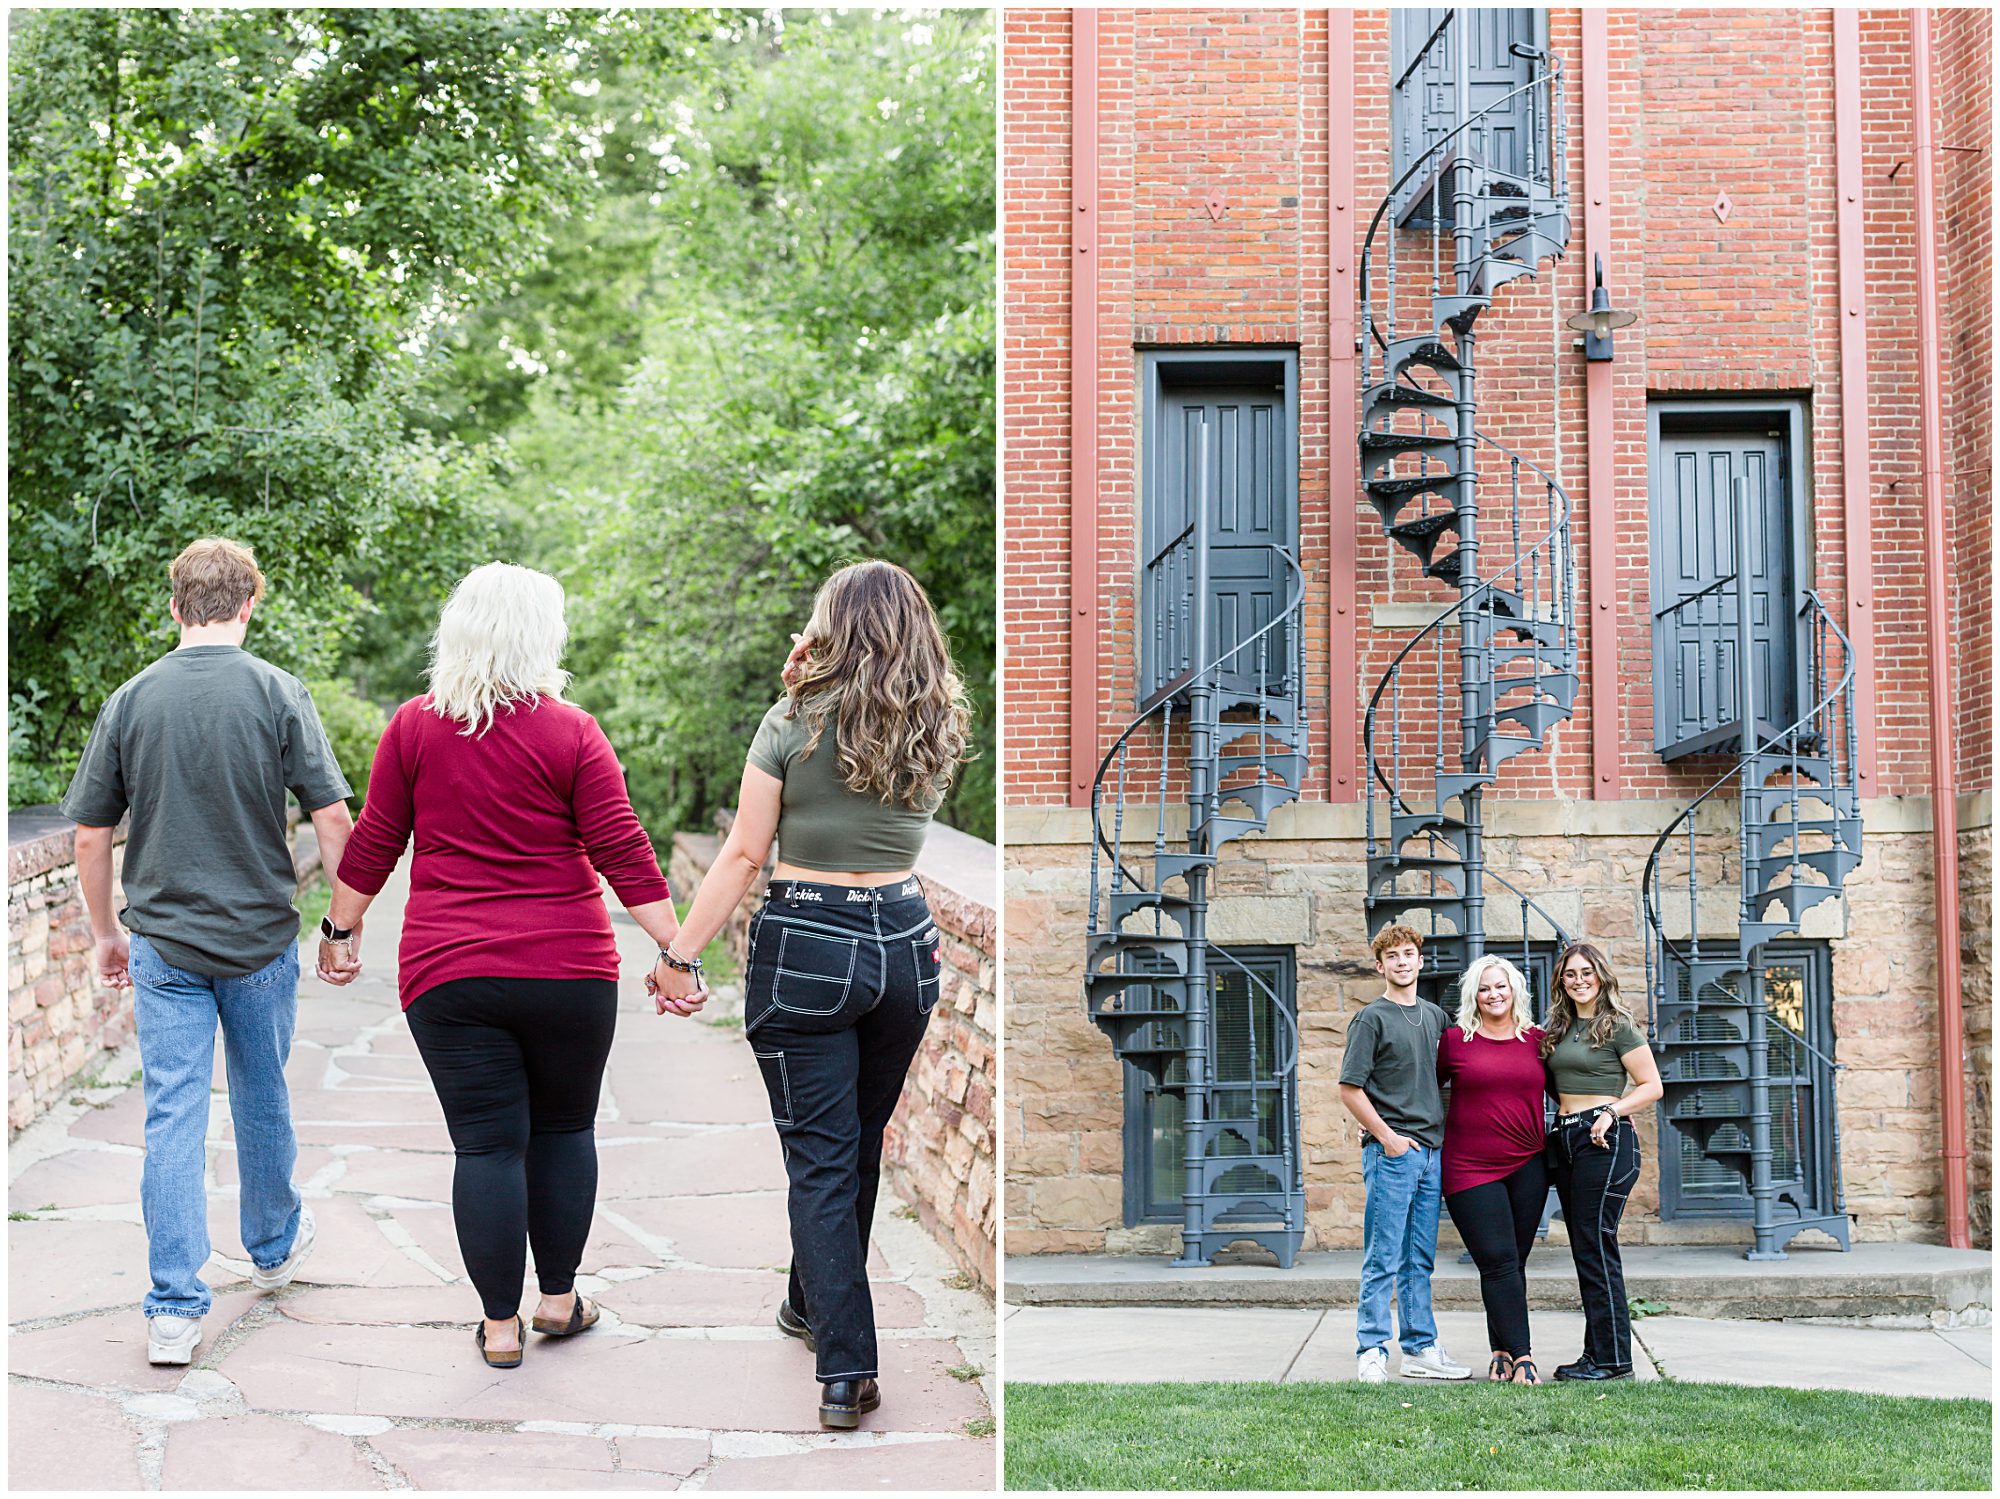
<point>1701,102</point>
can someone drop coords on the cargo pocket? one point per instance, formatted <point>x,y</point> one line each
<point>777,1083</point>
<point>929,958</point>
<point>811,972</point>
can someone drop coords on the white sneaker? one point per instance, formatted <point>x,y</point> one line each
<point>172,1340</point>
<point>280,1274</point>
<point>1373,1367</point>
<point>1433,1363</point>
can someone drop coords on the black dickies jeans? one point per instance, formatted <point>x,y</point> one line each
<point>1593,1182</point>
<point>842,980</point>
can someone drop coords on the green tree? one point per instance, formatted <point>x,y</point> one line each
<point>234,238</point>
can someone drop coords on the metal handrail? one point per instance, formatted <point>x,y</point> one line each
<point>1649,878</point>
<point>1547,76</point>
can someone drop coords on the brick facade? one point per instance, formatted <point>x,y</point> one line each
<point>1196,105</point>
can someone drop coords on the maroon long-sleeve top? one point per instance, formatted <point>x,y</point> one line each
<point>512,829</point>
<point>1493,1126</point>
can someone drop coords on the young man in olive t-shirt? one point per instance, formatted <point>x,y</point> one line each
<point>200,748</point>
<point>1388,1080</point>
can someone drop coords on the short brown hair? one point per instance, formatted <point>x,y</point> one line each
<point>212,579</point>
<point>1395,936</point>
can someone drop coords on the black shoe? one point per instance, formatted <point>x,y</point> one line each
<point>1588,1370</point>
<point>843,1402</point>
<point>792,1325</point>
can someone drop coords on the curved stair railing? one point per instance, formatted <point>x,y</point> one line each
<point>1151,970</point>
<point>1454,705</point>
<point>1797,838</point>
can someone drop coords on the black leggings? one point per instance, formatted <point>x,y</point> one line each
<point>1498,1220</point>
<point>518,1065</point>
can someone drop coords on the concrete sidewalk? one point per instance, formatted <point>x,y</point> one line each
<point>1136,1344</point>
<point>363,1375</point>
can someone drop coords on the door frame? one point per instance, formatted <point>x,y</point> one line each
<point>1161,370</point>
<point>1759,413</point>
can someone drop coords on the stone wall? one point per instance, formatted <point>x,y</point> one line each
<point>1301,884</point>
<point>940,1150</point>
<point>1975,884</point>
<point>60,1020</point>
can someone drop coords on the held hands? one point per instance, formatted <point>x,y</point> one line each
<point>674,990</point>
<point>113,953</point>
<point>340,962</point>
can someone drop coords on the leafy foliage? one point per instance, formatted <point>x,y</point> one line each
<point>232,234</point>
<point>687,307</point>
<point>814,385</point>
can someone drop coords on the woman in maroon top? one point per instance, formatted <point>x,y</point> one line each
<point>1495,1182</point>
<point>508,969</point>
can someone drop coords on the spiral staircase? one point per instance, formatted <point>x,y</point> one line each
<point>1490,675</point>
<point>1796,837</point>
<point>1231,717</point>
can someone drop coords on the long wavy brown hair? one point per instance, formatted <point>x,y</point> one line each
<point>1562,1009</point>
<point>879,673</point>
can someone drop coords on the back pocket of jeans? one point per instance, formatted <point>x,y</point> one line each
<point>812,971</point>
<point>929,956</point>
<point>777,1083</point>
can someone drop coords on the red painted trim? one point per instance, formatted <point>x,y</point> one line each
<point>1084,614</point>
<point>1860,562</point>
<point>1606,777</point>
<point>1343,694</point>
<point>1937,626</point>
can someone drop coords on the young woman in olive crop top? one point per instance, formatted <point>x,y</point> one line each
<point>844,773</point>
<point>1602,1073</point>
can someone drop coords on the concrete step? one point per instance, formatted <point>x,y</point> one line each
<point>1708,1280</point>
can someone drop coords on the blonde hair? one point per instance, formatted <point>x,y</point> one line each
<point>499,641</point>
<point>1604,1015</point>
<point>213,579</point>
<point>1468,995</point>
<point>879,674</point>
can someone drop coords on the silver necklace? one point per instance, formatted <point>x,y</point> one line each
<point>1414,1018</point>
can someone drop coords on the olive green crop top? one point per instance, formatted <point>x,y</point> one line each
<point>821,823</point>
<point>1576,1067</point>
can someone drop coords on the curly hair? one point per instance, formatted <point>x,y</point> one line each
<point>879,674</point>
<point>499,641</point>
<point>1562,1009</point>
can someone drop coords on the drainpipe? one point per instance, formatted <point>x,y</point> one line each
<point>1937,626</point>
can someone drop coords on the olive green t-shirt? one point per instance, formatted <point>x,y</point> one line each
<point>821,823</point>
<point>1577,1067</point>
<point>1391,1055</point>
<point>201,747</point>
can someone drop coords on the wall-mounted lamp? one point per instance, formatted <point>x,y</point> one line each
<point>1596,324</point>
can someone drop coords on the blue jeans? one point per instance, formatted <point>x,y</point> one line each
<point>1400,1231</point>
<point>177,1013</point>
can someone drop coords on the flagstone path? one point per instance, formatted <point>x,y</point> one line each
<point>362,1374</point>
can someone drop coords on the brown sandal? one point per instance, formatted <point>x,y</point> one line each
<point>577,1320</point>
<point>510,1360</point>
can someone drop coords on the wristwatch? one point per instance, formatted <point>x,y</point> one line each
<point>333,933</point>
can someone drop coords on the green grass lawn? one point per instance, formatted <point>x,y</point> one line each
<point>1349,1436</point>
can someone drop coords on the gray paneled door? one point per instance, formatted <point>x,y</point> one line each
<point>1250,512</point>
<point>1426,107</point>
<point>1695,682</point>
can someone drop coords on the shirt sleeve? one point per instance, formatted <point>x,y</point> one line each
<point>768,749</point>
<point>311,771</point>
<point>383,830</point>
<point>96,796</point>
<point>613,839</point>
<point>1625,1036</point>
<point>1357,1060</point>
